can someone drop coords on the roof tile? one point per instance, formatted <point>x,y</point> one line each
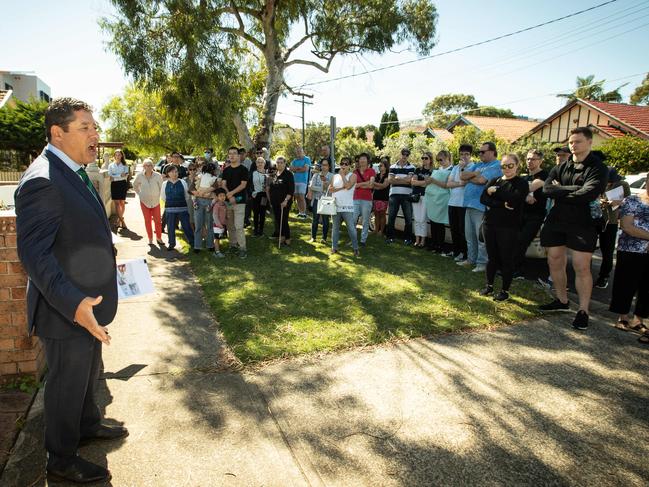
<point>632,115</point>
<point>509,129</point>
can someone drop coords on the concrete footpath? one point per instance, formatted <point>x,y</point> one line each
<point>532,404</point>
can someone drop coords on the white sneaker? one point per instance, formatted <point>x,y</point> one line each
<point>459,258</point>
<point>465,263</point>
<point>479,268</point>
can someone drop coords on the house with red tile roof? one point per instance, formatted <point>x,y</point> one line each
<point>606,120</point>
<point>509,129</point>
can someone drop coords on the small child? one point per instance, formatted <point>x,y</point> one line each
<point>219,215</point>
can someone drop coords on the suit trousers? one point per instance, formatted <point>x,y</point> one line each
<point>70,409</point>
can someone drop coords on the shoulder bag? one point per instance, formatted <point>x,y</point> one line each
<point>327,204</point>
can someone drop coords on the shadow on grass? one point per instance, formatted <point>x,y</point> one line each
<point>302,299</point>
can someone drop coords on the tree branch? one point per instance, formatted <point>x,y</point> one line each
<point>307,36</point>
<point>324,69</point>
<point>244,35</point>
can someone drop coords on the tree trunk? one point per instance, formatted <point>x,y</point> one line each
<point>272,92</point>
<point>242,132</point>
<point>275,81</point>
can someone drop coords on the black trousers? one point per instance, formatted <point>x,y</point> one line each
<point>631,278</point>
<point>528,232</point>
<point>501,244</point>
<point>73,367</point>
<point>277,210</point>
<point>437,236</point>
<point>607,248</point>
<point>456,222</point>
<point>259,213</point>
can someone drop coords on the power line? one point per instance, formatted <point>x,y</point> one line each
<point>468,46</point>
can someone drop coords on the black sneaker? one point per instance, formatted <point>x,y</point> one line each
<point>501,296</point>
<point>555,305</point>
<point>487,291</point>
<point>601,283</point>
<point>581,320</point>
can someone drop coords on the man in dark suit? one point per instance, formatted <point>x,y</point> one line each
<point>65,245</point>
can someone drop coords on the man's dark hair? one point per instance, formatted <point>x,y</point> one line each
<point>536,153</point>
<point>492,147</point>
<point>466,148</point>
<point>209,149</point>
<point>585,131</point>
<point>209,168</point>
<point>61,112</point>
<point>220,191</point>
<point>365,155</point>
<point>169,168</point>
<point>176,153</point>
<point>232,147</point>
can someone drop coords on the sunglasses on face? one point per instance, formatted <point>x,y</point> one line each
<point>344,164</point>
<point>424,158</point>
<point>532,159</point>
<point>508,165</point>
<point>483,151</point>
<point>439,160</point>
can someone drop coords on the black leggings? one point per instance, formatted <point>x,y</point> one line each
<point>456,222</point>
<point>259,212</point>
<point>631,277</point>
<point>607,248</point>
<point>437,236</point>
<point>277,210</point>
<point>501,247</point>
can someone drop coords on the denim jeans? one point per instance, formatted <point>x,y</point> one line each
<point>403,201</point>
<point>363,208</point>
<point>476,250</point>
<point>184,223</point>
<point>316,220</point>
<point>203,216</point>
<point>348,216</point>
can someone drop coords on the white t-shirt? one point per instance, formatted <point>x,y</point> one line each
<point>345,197</point>
<point>206,180</point>
<point>457,194</point>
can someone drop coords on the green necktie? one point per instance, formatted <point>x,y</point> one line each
<point>84,175</point>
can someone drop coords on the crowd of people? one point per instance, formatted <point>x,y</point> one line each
<point>493,208</point>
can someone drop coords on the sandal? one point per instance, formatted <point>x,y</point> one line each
<point>644,338</point>
<point>622,325</point>
<point>639,327</point>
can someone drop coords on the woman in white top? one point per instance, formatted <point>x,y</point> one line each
<point>342,188</point>
<point>202,189</point>
<point>118,172</point>
<point>147,185</point>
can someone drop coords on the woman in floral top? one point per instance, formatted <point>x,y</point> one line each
<point>632,269</point>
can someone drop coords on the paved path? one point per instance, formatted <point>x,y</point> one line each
<point>532,404</point>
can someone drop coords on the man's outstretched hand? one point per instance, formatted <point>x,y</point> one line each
<point>86,318</point>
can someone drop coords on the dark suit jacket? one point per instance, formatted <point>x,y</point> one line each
<point>65,245</point>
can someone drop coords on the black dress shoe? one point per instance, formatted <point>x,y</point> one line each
<point>104,432</point>
<point>78,471</point>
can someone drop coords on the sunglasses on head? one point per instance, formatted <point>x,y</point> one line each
<point>508,165</point>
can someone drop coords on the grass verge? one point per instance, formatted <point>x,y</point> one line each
<point>297,300</point>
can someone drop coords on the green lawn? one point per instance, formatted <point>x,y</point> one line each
<point>301,299</point>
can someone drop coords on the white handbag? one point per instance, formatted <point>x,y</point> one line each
<point>327,205</point>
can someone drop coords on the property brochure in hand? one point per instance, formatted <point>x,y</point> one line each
<point>133,279</point>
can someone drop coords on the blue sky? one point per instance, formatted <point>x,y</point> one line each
<point>64,46</point>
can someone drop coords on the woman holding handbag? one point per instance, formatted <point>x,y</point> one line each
<point>318,185</point>
<point>342,187</point>
<point>281,190</point>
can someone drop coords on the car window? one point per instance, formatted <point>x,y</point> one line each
<point>639,183</point>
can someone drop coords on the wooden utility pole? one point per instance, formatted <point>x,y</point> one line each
<point>303,102</point>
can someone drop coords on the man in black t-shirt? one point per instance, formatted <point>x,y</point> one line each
<point>235,180</point>
<point>534,209</point>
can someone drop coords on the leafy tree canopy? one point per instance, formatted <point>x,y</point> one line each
<point>640,95</point>
<point>469,134</point>
<point>195,49</point>
<point>589,89</point>
<point>443,109</point>
<point>417,145</point>
<point>22,126</point>
<point>627,154</point>
<point>143,120</point>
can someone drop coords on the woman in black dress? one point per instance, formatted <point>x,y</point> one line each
<point>118,172</point>
<point>281,188</point>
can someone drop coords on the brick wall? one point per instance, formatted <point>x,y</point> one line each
<point>19,353</point>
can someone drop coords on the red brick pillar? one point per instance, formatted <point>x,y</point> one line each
<point>19,354</point>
